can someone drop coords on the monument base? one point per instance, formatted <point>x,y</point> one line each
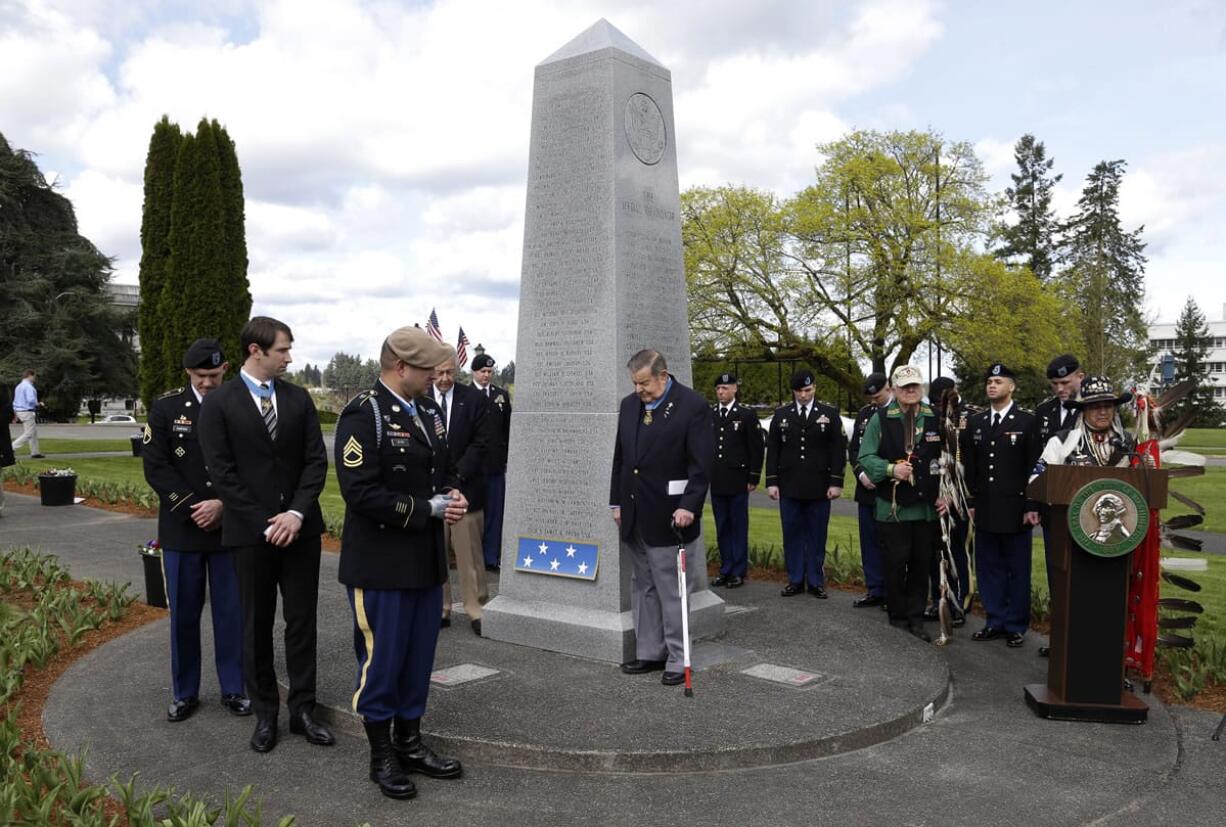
<point>586,633</point>
<point>1047,704</point>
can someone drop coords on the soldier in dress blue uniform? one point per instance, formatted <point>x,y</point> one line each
<point>805,454</point>
<point>398,483</point>
<point>189,531</point>
<point>999,451</point>
<point>876,394</point>
<point>498,422</point>
<point>739,446</point>
<point>1065,376</point>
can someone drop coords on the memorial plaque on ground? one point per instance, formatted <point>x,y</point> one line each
<point>603,277</point>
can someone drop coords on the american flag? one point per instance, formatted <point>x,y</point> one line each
<point>461,350</point>
<point>560,558</point>
<point>432,326</point>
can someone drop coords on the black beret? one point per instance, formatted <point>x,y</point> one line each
<point>1062,366</point>
<point>1000,370</point>
<point>204,354</point>
<point>726,379</point>
<point>938,387</point>
<point>874,382</point>
<point>802,379</point>
<point>483,361</point>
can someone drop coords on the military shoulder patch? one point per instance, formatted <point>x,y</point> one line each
<point>351,454</point>
<point>148,437</point>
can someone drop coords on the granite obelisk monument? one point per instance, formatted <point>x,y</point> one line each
<point>603,277</point>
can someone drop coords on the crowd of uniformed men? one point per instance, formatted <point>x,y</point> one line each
<point>420,459</point>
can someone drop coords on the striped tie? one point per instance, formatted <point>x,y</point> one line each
<point>269,412</point>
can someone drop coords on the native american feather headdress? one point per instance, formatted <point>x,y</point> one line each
<point>952,491</point>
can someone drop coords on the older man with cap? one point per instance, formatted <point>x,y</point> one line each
<point>189,531</point>
<point>901,452</point>
<point>999,450</point>
<point>738,468</point>
<point>661,468</point>
<point>805,454</point>
<point>498,425</point>
<point>400,488</point>
<point>876,394</point>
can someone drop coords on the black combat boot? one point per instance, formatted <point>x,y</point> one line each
<point>415,756</point>
<point>385,770</point>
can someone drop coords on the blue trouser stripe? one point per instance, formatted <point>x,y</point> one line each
<point>732,532</point>
<point>394,676</point>
<point>804,539</point>
<point>1004,578</point>
<point>187,573</point>
<point>495,502</point>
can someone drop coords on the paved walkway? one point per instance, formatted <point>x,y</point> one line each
<point>982,759</point>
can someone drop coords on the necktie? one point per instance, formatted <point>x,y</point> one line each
<point>723,413</point>
<point>804,413</point>
<point>269,412</point>
<point>995,421</point>
<point>442,401</point>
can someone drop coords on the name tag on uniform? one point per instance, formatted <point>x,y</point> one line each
<point>400,440</point>
<point>676,487</point>
<point>181,427</point>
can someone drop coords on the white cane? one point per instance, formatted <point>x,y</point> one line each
<point>685,612</point>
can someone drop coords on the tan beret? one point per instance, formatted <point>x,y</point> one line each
<point>416,347</point>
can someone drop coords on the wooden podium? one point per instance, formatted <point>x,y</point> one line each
<point>1085,674</point>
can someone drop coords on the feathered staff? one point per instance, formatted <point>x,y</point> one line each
<point>1156,447</point>
<point>954,493</point>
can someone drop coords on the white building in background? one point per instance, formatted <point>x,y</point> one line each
<point>1162,345</point>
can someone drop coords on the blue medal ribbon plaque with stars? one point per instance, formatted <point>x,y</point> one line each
<point>560,558</point>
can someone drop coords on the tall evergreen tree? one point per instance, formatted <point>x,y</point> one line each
<point>237,290</point>
<point>1192,345</point>
<point>1105,277</point>
<point>155,254</point>
<point>1032,240</point>
<point>55,314</point>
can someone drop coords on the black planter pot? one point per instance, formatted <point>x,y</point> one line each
<point>136,443</point>
<point>155,585</point>
<point>57,490</point>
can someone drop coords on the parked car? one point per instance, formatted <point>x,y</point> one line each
<point>118,418</point>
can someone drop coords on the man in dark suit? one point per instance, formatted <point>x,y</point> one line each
<point>189,532</point>
<point>499,427</point>
<point>266,457</point>
<point>399,490</point>
<point>6,448</point>
<point>876,394</point>
<point>999,451</point>
<point>662,462</point>
<point>464,420</point>
<point>806,451</point>
<point>739,445</point>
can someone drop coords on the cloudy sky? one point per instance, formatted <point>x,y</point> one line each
<point>384,145</point>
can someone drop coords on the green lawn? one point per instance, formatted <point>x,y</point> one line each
<point>84,446</point>
<point>1209,491</point>
<point>1211,441</point>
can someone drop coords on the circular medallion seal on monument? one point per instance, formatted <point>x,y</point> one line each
<point>645,128</point>
<point>1108,518</point>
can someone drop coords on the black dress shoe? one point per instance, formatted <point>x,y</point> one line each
<point>792,589</point>
<point>818,592</point>
<point>958,620</point>
<point>415,756</point>
<point>444,623</point>
<point>385,769</point>
<point>265,736</point>
<point>639,667</point>
<point>237,705</point>
<point>672,678</point>
<point>38,456</point>
<point>476,624</point>
<point>181,710</point>
<point>1045,651</point>
<point>932,612</point>
<point>868,600</point>
<point>494,569</point>
<point>316,733</point>
<point>1015,640</point>
<point>919,632</point>
<point>988,633</point>
<point>735,582</point>
<point>720,581</point>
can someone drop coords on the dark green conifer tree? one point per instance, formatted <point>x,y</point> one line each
<point>237,295</point>
<point>155,254</point>
<point>1032,240</point>
<point>1192,345</point>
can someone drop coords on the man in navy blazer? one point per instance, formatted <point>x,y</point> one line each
<point>266,457</point>
<point>662,462</point>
